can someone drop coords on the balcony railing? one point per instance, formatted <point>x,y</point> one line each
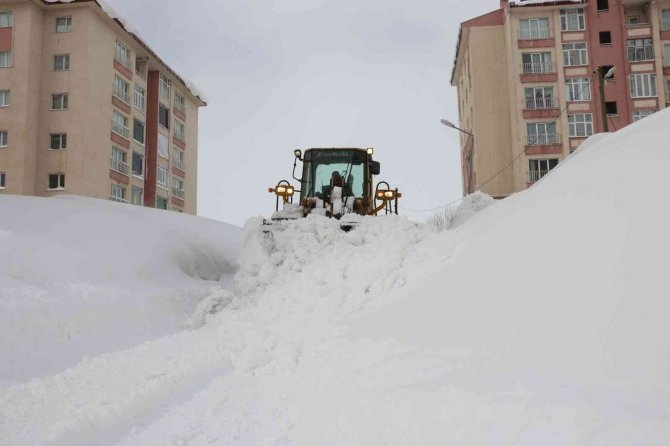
<point>120,129</point>
<point>543,140</point>
<point>179,193</point>
<point>538,68</point>
<point>530,34</point>
<point>179,164</point>
<point>118,199</point>
<point>535,175</point>
<point>540,103</point>
<point>665,26</point>
<point>119,166</point>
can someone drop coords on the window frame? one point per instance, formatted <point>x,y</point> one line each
<point>144,131</point>
<point>119,160</point>
<point>574,124</point>
<point>123,95</point>
<point>649,85</point>
<point>140,92</point>
<point>538,30</point>
<point>133,189</point>
<point>10,21</point>
<point>139,156</point>
<point>60,180</point>
<point>123,55</point>
<point>165,125</point>
<point>665,19</point>
<point>4,139</point>
<point>582,53</point>
<point>178,160</point>
<point>179,102</point>
<point>68,24</point>
<point>541,135</point>
<point>66,58</point>
<point>179,130</point>
<point>641,114</point>
<point>3,180</point>
<point>123,123</point>
<point>114,197</point>
<point>573,14</point>
<point>62,141</point>
<point>64,101</point>
<point>647,48</point>
<point>8,59</point>
<point>162,172</point>
<point>544,65</point>
<point>164,87</point>
<point>545,101</point>
<point>571,85</point>
<point>6,96</point>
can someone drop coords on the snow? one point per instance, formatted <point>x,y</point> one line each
<point>540,2</point>
<point>538,319</point>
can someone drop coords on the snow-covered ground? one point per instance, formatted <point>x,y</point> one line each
<point>540,319</point>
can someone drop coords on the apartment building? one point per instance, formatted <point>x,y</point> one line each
<point>528,87</point>
<point>87,108</point>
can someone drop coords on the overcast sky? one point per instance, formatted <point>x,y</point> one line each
<point>287,74</point>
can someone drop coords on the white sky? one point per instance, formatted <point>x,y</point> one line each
<point>287,74</point>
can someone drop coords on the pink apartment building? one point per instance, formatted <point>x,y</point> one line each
<point>528,88</point>
<point>87,108</point>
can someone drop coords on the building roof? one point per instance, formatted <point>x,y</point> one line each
<point>128,28</point>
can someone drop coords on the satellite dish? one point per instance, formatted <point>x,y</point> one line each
<point>610,73</point>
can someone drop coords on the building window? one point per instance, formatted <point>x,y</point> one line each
<point>122,55</point>
<point>575,54</point>
<point>63,24</point>
<point>59,101</point>
<point>6,20</point>
<point>58,141</point>
<point>162,177</point>
<point>120,125</point>
<point>642,85</point>
<point>61,62</point>
<point>605,37</point>
<point>4,98</point>
<point>119,162</point>
<point>138,131</point>
<point>632,20</point>
<point>608,69</point>
<point>164,88</point>
<point>665,14</point>
<point>57,181</point>
<point>5,59</point>
<point>118,193</point>
<point>640,49</point>
<point>4,138</point>
<point>537,63</point>
<point>2,180</point>
<point>178,159</point>
<point>178,188</point>
<point>572,20</point>
<point>539,98</point>
<point>666,55</point>
<point>539,168</point>
<point>611,109</point>
<point>121,89</point>
<point>534,29</point>
<point>639,114</point>
<point>580,125</point>
<point>541,133</point>
<point>138,164</point>
<point>140,101</point>
<point>161,202</point>
<point>164,116</point>
<point>603,5</point>
<point>141,67</point>
<point>578,89</point>
<point>136,196</point>
<point>179,131</point>
<point>179,102</point>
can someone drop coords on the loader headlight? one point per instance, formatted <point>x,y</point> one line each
<point>387,194</point>
<point>283,190</point>
<point>280,190</point>
<point>298,153</point>
<point>370,151</point>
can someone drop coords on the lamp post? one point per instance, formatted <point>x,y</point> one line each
<point>469,157</point>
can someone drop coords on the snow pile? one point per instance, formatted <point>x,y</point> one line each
<point>539,320</point>
<point>82,276</point>
<point>541,2</point>
<point>454,216</point>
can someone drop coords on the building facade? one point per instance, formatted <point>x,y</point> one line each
<point>87,108</point>
<point>528,86</point>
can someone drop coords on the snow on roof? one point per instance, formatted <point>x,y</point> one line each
<point>125,24</point>
<point>540,2</point>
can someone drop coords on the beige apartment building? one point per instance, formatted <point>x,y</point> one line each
<point>87,108</point>
<point>528,89</point>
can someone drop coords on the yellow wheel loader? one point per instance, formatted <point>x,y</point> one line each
<point>335,182</point>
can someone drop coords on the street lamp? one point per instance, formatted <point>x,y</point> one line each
<point>469,156</point>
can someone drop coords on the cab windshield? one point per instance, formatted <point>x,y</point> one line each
<point>319,166</point>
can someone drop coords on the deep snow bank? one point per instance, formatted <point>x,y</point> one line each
<point>81,276</point>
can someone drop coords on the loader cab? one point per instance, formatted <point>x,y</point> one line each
<point>354,166</point>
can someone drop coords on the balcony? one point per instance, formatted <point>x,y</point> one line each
<point>535,175</point>
<point>547,139</point>
<point>179,164</point>
<point>535,34</point>
<point>179,193</point>
<point>119,166</point>
<point>540,103</point>
<point>638,30</point>
<point>538,68</point>
<point>120,129</point>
